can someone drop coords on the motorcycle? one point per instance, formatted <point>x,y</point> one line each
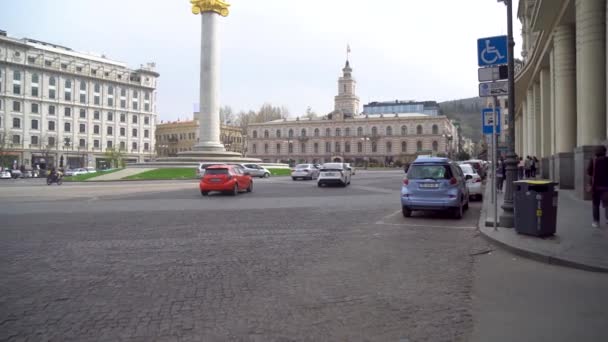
<point>54,178</point>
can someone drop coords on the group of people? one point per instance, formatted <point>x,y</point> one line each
<point>526,168</point>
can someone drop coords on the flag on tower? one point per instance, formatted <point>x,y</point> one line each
<point>348,48</point>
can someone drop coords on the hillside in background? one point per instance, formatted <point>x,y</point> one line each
<point>467,112</point>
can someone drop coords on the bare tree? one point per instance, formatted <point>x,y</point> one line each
<point>5,159</point>
<point>310,114</point>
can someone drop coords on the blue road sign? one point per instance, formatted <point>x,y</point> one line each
<point>492,51</point>
<point>486,118</point>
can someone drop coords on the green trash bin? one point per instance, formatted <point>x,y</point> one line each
<point>535,207</point>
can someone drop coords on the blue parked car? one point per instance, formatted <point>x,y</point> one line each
<point>434,184</point>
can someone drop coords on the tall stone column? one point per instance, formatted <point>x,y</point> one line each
<point>552,114</point>
<point>524,128</point>
<point>545,121</point>
<point>530,122</point>
<point>565,104</point>
<point>591,75</point>
<point>537,118</point>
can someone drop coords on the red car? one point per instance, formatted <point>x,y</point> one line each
<point>225,178</point>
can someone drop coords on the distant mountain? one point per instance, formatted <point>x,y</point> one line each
<point>467,112</point>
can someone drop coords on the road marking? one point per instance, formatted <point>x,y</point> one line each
<point>425,226</point>
<point>381,221</point>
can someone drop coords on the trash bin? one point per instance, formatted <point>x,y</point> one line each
<point>535,207</point>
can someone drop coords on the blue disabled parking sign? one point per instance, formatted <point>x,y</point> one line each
<point>492,51</point>
<point>487,118</point>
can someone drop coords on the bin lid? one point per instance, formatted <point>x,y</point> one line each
<point>537,182</point>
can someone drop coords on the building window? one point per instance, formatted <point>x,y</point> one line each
<point>96,100</point>
<point>278,148</point>
<point>123,92</point>
<point>389,130</point>
<point>67,127</point>
<point>51,125</point>
<point>16,139</point>
<point>83,128</point>
<point>34,108</point>
<point>135,107</point>
<point>254,148</point>
<point>338,132</point>
<point>52,94</point>
<point>146,146</point>
<point>123,103</point>
<point>316,147</point>
<point>328,147</point>
<point>17,89</point>
<point>35,78</point>
<point>83,98</point>
<point>266,134</point>
<point>146,120</point>
<point>389,147</point>
<point>374,131</point>
<point>16,75</point>
<point>68,84</point>
<point>110,90</point>
<point>374,147</point>
<point>403,147</point>
<point>419,129</point>
<point>147,134</point>
<point>347,132</point>
<point>338,147</point>
<point>67,111</point>
<point>123,146</point>
<point>419,146</point>
<point>82,143</point>
<point>134,132</point>
<point>347,147</point>
<point>17,106</point>
<point>110,116</point>
<point>96,129</point>
<point>255,135</point>
<point>278,133</point>
<point>68,96</point>
<point>146,107</point>
<point>134,146</point>
<point>110,101</point>
<point>290,148</point>
<point>35,91</point>
<point>359,147</point>
<point>134,119</point>
<point>316,132</point>
<point>96,115</point>
<point>109,130</point>
<point>83,86</point>
<point>303,148</point>
<point>123,118</point>
<point>51,110</point>
<point>95,143</point>
<point>52,81</point>
<point>435,146</point>
<point>123,132</point>
<point>403,130</point>
<point>83,113</point>
<point>359,131</point>
<point>303,132</point>
<point>34,124</point>
<point>97,88</point>
<point>290,133</point>
<point>109,144</point>
<point>51,141</point>
<point>266,148</point>
<point>16,123</point>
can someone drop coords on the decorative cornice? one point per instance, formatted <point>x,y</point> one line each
<point>218,6</point>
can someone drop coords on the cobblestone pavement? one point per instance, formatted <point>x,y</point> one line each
<point>228,270</point>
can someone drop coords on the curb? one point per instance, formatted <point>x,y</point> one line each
<point>526,253</point>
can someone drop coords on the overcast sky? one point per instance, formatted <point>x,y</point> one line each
<point>285,52</point>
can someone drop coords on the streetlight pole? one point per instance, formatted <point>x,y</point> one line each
<point>507,217</point>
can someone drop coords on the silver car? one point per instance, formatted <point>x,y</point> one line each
<point>256,170</point>
<point>305,171</point>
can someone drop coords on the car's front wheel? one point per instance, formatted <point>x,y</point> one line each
<point>406,212</point>
<point>250,187</point>
<point>266,175</point>
<point>320,185</point>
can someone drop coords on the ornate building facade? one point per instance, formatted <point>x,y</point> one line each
<point>345,135</point>
<point>58,105</point>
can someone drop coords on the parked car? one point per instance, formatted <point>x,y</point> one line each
<point>434,184</point>
<point>479,166</point>
<point>305,171</point>
<point>334,173</point>
<point>90,169</point>
<point>15,173</point>
<point>225,178</point>
<point>4,174</point>
<point>473,181</point>
<point>351,167</point>
<point>69,172</point>
<point>200,171</point>
<point>256,170</point>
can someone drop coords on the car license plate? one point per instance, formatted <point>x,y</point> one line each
<point>330,174</point>
<point>429,185</point>
<point>216,180</point>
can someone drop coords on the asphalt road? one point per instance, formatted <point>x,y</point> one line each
<point>142,261</point>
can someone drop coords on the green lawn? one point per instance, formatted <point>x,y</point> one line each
<point>165,174</point>
<point>279,172</point>
<point>81,178</point>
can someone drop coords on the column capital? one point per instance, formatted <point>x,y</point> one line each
<point>217,6</point>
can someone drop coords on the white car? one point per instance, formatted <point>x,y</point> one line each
<point>200,170</point>
<point>352,168</point>
<point>5,175</point>
<point>305,171</point>
<point>473,180</point>
<point>90,169</point>
<point>334,173</point>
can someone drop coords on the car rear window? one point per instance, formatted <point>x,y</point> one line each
<point>302,166</point>
<point>216,172</point>
<point>466,168</point>
<point>429,171</point>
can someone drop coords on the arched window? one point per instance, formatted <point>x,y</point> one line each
<point>374,131</point>
<point>403,130</point>
<point>389,130</point>
<point>389,147</point>
<point>338,132</point>
<point>347,132</point>
<point>290,148</point>
<point>338,147</point>
<point>316,132</point>
<point>435,146</point>
<point>403,147</point>
<point>419,129</point>
<point>278,133</point>
<point>290,134</point>
<point>254,148</point>
<point>419,146</point>
<point>266,148</point>
<point>347,147</point>
<point>266,134</point>
<point>374,147</point>
<point>359,131</point>
<point>303,132</point>
<point>255,135</point>
<point>327,147</point>
<point>328,132</point>
<point>52,81</point>
<point>359,147</point>
<point>435,129</point>
<point>278,148</point>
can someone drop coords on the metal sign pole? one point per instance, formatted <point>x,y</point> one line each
<point>494,159</point>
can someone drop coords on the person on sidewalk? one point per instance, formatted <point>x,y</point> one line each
<point>598,178</point>
<point>533,167</point>
<point>500,174</point>
<point>520,169</point>
<point>527,164</point>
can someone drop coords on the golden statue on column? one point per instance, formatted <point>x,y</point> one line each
<point>217,6</point>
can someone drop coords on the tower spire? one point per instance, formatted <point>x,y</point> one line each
<point>347,53</point>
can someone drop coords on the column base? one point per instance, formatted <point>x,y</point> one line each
<point>209,146</point>
<point>552,173</point>
<point>544,168</point>
<point>582,156</point>
<point>564,169</point>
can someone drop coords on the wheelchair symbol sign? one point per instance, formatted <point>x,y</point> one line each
<point>492,51</point>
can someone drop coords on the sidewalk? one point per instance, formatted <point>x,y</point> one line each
<point>575,244</point>
<point>119,174</point>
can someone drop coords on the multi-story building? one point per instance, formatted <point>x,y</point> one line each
<point>180,136</point>
<point>560,89</point>
<point>346,135</point>
<point>62,106</point>
<point>399,106</point>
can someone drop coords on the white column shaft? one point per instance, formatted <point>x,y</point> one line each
<point>591,71</point>
<point>530,122</point>
<point>524,127</point>
<point>565,89</point>
<point>537,116</point>
<point>545,113</point>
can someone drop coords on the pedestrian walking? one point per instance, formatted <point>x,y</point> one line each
<point>598,184</point>
<point>500,174</point>
<point>533,166</point>
<point>527,164</point>
<point>520,168</point>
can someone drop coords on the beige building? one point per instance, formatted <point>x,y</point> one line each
<point>345,135</point>
<point>560,90</point>
<point>57,104</point>
<point>180,136</point>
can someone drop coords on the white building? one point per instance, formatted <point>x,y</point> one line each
<point>57,105</point>
<point>345,135</point>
